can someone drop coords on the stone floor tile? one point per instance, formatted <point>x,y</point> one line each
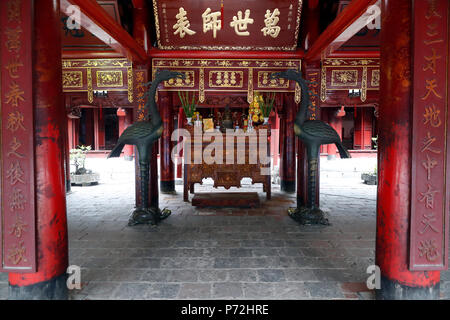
<point>191,291</point>
<point>227,290</point>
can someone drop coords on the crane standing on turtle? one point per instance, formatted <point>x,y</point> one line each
<point>313,133</point>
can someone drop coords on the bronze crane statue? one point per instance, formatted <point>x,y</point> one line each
<point>143,134</point>
<point>313,133</point>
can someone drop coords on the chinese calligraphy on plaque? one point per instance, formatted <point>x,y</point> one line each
<point>429,216</point>
<point>17,221</point>
<point>229,25</point>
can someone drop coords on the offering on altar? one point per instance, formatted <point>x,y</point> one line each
<point>208,124</point>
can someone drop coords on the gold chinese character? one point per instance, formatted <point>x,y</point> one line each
<point>211,22</point>
<point>428,249</point>
<point>15,173</point>
<point>15,121</point>
<point>429,165</point>
<point>271,22</point>
<point>431,65</point>
<point>428,223</point>
<point>427,142</point>
<point>240,24</point>
<point>432,31</point>
<point>15,94</point>
<point>13,8</point>
<point>183,24</point>
<point>15,145</point>
<point>13,67</point>
<point>431,116</point>
<point>431,10</point>
<point>17,253</point>
<point>431,86</point>
<point>13,43</point>
<point>17,200</point>
<point>19,227</point>
<point>428,197</point>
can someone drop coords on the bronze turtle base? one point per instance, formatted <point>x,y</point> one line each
<point>148,216</point>
<point>308,216</point>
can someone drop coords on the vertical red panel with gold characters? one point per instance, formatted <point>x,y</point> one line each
<point>429,193</point>
<point>17,223</point>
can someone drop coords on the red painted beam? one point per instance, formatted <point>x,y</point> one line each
<point>97,21</point>
<point>212,54</point>
<point>352,19</point>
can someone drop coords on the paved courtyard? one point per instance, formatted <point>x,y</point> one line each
<point>223,253</point>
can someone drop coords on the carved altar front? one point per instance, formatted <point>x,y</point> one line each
<point>250,155</point>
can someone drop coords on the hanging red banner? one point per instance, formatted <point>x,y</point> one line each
<point>17,223</point>
<point>227,25</point>
<point>430,193</point>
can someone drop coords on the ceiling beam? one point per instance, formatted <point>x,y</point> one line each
<point>351,20</point>
<point>97,21</point>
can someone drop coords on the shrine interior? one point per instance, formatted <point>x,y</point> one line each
<point>116,117</point>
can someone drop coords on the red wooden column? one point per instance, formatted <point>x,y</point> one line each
<point>287,163</point>
<point>49,281</point>
<point>311,72</point>
<point>394,160</point>
<point>141,32</point>
<point>167,168</point>
<point>181,120</point>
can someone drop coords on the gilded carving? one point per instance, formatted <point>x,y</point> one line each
<point>130,84</point>
<point>89,85</point>
<point>375,82</point>
<point>72,79</point>
<point>201,94</point>
<point>189,81</point>
<point>344,78</point>
<point>250,86</point>
<point>95,63</point>
<point>364,85</point>
<point>323,85</point>
<point>226,79</point>
<point>109,78</point>
<point>264,81</point>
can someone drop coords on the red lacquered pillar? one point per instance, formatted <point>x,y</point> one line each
<point>287,163</point>
<point>181,120</point>
<point>167,168</point>
<point>394,161</point>
<point>49,282</point>
<point>141,32</point>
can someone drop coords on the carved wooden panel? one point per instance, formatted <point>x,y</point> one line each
<point>246,162</point>
<point>343,74</point>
